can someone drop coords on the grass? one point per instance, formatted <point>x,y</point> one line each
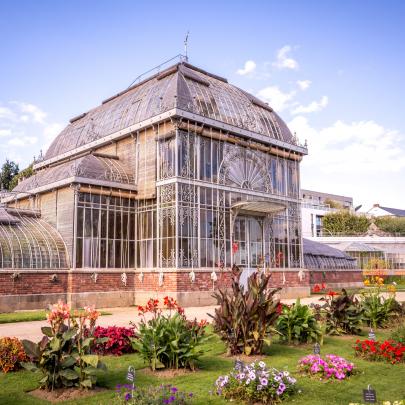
<point>26,316</point>
<point>387,379</point>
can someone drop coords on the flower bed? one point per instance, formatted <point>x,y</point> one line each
<point>256,383</point>
<point>389,350</point>
<point>329,368</point>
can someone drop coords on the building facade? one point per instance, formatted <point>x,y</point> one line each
<point>159,190</point>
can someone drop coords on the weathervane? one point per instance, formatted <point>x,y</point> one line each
<point>186,45</point>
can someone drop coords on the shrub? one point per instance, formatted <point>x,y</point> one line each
<point>11,354</point>
<point>244,318</point>
<point>297,324</point>
<point>256,383</point>
<point>164,394</point>
<point>378,309</point>
<point>389,350</point>
<point>344,222</point>
<point>169,341</point>
<point>328,368</point>
<point>391,224</point>
<point>118,340</point>
<point>63,355</point>
<point>343,313</point>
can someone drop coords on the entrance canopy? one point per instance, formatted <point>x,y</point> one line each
<point>258,207</point>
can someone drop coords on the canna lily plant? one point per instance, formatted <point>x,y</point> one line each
<point>245,318</point>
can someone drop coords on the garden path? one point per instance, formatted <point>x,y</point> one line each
<point>122,317</point>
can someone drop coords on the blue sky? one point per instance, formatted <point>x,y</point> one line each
<point>333,70</point>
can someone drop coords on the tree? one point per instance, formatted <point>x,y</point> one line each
<point>344,222</point>
<point>393,225</point>
<point>27,172</point>
<point>8,171</point>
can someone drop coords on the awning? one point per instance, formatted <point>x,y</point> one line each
<point>261,207</point>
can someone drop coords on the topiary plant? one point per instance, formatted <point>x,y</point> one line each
<point>297,324</point>
<point>245,317</point>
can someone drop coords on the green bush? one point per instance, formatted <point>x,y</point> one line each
<point>245,318</point>
<point>390,224</point>
<point>379,310</point>
<point>63,355</point>
<point>344,222</point>
<point>297,324</point>
<point>168,341</point>
<point>343,313</point>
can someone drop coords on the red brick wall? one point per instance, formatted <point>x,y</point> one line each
<point>338,276</point>
<point>32,283</point>
<point>83,282</point>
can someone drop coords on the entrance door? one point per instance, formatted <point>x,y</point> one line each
<point>248,238</point>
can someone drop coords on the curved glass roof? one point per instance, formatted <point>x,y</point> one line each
<point>89,166</point>
<point>321,256</point>
<point>183,86</point>
<point>27,242</point>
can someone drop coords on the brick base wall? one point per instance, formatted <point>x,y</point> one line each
<point>35,289</point>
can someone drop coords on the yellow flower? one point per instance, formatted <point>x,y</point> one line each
<point>366,281</point>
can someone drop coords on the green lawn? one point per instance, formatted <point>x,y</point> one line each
<point>25,316</point>
<point>388,380</point>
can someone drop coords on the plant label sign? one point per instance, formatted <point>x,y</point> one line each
<point>317,349</point>
<point>371,335</point>
<point>369,395</point>
<point>131,374</point>
<point>239,365</point>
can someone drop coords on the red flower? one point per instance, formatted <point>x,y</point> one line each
<point>332,293</point>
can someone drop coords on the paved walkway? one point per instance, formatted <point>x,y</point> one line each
<point>123,316</point>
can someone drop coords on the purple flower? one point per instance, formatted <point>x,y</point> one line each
<point>174,389</point>
<point>128,396</point>
<point>264,381</point>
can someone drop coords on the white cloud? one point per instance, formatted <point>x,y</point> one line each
<point>361,159</point>
<point>7,114</point>
<point>283,60</point>
<point>249,68</point>
<point>275,97</point>
<point>24,130</point>
<point>5,132</point>
<point>303,84</point>
<point>31,111</point>
<point>346,148</point>
<point>23,141</point>
<point>315,106</point>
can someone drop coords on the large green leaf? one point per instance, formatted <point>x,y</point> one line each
<point>68,362</point>
<point>91,359</point>
<point>69,374</point>
<point>47,331</point>
<point>31,348</point>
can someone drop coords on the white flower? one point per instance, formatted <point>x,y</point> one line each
<point>262,364</point>
<point>247,381</point>
<point>259,387</point>
<point>286,373</point>
<point>252,375</point>
<point>277,378</point>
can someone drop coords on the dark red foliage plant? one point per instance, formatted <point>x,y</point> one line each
<point>119,340</point>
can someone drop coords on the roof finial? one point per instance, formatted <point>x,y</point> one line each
<point>186,45</point>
